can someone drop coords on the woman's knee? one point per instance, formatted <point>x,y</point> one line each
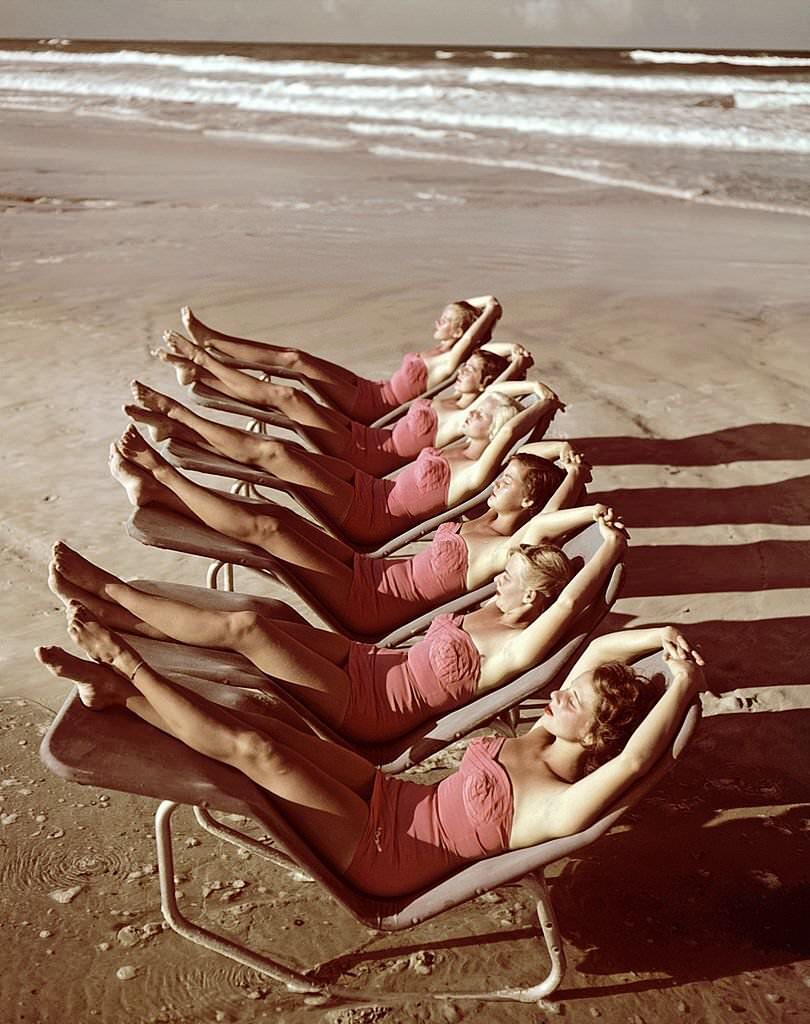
<point>253,751</point>
<point>244,628</point>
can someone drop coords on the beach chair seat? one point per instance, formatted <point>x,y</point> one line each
<point>129,755</point>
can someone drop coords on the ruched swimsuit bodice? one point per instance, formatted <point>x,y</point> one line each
<point>380,450</point>
<point>375,398</point>
<point>389,592</point>
<point>392,690</point>
<point>381,509</point>
<point>417,834</point>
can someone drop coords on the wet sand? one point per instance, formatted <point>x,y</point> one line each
<point>678,336</point>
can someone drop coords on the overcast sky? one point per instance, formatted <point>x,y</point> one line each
<point>693,24</point>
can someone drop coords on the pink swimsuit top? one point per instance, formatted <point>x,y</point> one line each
<point>375,398</point>
<point>388,592</point>
<point>381,509</point>
<point>417,834</point>
<point>394,689</point>
<point>379,450</point>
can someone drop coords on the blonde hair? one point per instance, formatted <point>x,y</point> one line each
<point>505,408</point>
<point>544,567</point>
<point>464,314</point>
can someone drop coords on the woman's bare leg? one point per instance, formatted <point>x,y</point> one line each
<point>141,487</point>
<point>95,682</point>
<point>293,402</point>
<point>308,663</point>
<point>262,352</point>
<point>237,518</point>
<point>268,526</point>
<point>323,786</point>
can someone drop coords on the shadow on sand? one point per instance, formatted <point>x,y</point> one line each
<point>753,442</point>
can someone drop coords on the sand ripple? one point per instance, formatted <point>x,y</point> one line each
<point>177,994</point>
<point>57,865</point>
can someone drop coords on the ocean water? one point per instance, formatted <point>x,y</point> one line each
<point>728,129</point>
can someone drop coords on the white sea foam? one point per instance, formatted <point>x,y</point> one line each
<point>739,60</point>
<point>311,71</point>
<point>354,103</point>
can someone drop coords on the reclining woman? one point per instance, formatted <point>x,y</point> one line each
<point>375,450</point>
<point>370,596</point>
<point>389,836</point>
<point>366,509</point>
<point>364,692</point>
<point>459,330</point>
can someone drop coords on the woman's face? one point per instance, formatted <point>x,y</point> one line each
<point>511,592</point>
<point>445,329</point>
<point>478,422</point>
<point>468,378</point>
<point>509,490</point>
<point>570,713</point>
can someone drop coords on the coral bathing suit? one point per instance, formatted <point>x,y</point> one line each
<point>381,509</point>
<point>418,834</point>
<point>379,450</point>
<point>375,398</point>
<point>388,592</point>
<point>393,689</point>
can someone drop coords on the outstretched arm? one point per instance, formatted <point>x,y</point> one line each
<point>547,527</point>
<point>442,364</point>
<point>532,643</point>
<point>626,646</point>
<point>581,803</point>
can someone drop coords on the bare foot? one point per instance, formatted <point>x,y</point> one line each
<point>161,428</point>
<point>140,487</point>
<point>186,371</point>
<point>99,686</point>
<point>181,346</point>
<point>153,400</point>
<point>99,642</point>
<point>135,449</point>
<point>201,334</point>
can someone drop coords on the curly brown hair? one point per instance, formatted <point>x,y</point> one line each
<point>625,697</point>
<point>541,478</point>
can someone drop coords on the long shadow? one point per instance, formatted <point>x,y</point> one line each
<point>786,502</point>
<point>744,653</point>
<point>753,442</point>
<point>685,895</point>
<point>654,570</point>
<point>684,889</point>
<point>761,652</point>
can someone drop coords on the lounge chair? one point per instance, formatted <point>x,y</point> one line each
<point>161,528</point>
<point>127,754</point>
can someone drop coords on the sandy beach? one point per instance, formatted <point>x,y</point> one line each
<point>676,332</point>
